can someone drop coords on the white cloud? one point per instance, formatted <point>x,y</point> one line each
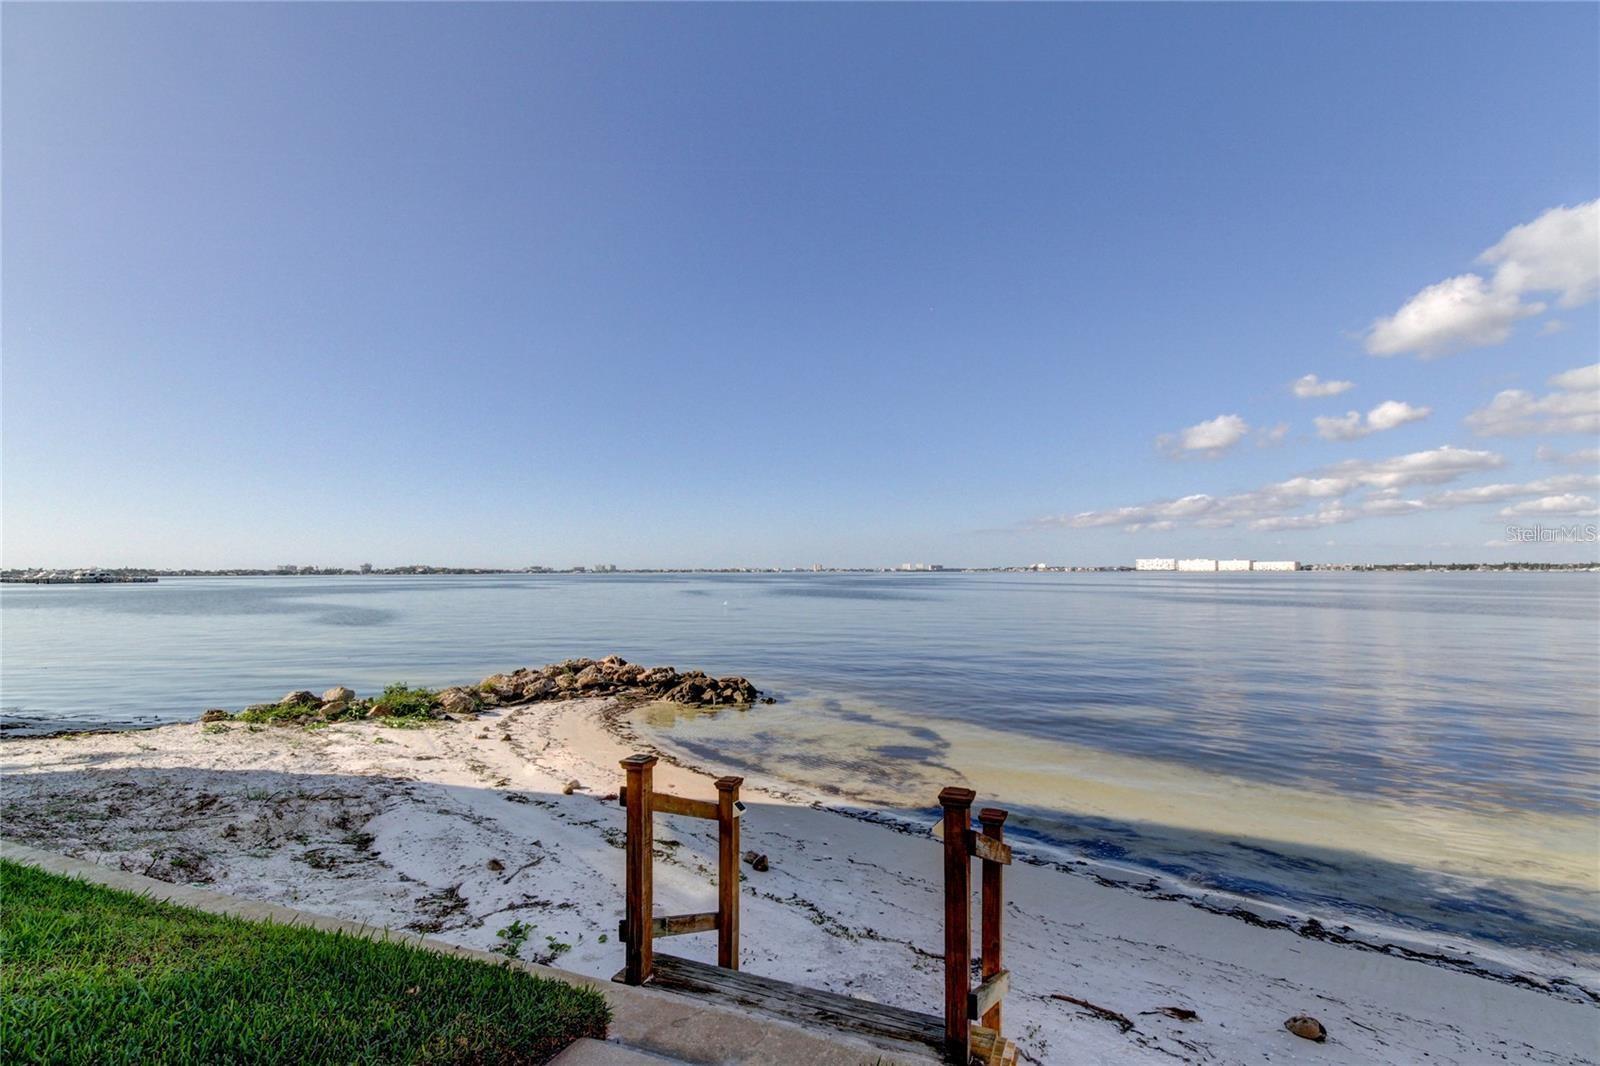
<point>1351,426</point>
<point>1557,252</point>
<point>1573,408</point>
<point>1393,413</point>
<point>1461,312</point>
<point>1280,505</point>
<point>1565,504</point>
<point>1551,327</point>
<point>1581,457</point>
<point>1267,436</point>
<point>1416,468</point>
<point>1497,493</point>
<point>1340,427</point>
<point>1578,379</point>
<point>1309,387</point>
<point>1210,438</point>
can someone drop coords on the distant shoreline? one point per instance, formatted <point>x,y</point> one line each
<point>145,575</point>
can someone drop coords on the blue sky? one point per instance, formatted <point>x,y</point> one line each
<point>775,285</point>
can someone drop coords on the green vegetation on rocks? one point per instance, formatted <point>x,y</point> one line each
<point>402,701</point>
<point>94,975</point>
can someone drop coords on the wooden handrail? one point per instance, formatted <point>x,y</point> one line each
<point>676,924</point>
<point>987,848</point>
<point>988,995</point>
<point>971,1015</point>
<point>639,927</point>
<point>666,803</point>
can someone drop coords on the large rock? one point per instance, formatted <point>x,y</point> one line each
<point>614,675</point>
<point>338,694</point>
<point>458,701</point>
<point>503,686</point>
<point>301,698</point>
<point>215,714</point>
<point>537,688</point>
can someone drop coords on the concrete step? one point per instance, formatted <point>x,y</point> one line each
<point>587,1052</point>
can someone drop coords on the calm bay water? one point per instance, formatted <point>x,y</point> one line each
<point>1400,750</point>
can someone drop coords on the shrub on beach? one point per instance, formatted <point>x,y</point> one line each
<point>403,701</point>
<point>398,701</point>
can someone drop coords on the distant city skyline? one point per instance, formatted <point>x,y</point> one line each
<point>845,285</point>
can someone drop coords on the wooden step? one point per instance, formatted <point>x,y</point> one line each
<point>989,1048</point>
<point>796,1003</point>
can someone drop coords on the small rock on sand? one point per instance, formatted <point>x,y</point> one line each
<point>215,714</point>
<point>1304,1025</point>
<point>570,787</point>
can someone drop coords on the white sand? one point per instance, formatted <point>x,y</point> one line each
<point>461,828</point>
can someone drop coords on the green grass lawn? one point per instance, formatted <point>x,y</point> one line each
<point>92,975</point>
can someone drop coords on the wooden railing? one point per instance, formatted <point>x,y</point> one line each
<point>963,1004</point>
<point>639,929</point>
<point>971,1023</point>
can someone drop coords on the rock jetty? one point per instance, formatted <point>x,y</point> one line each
<point>615,676</point>
<point>612,676</point>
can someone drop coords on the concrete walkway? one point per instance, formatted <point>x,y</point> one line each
<point>654,1027</point>
<point>587,1052</point>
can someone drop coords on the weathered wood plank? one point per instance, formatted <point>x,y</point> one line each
<point>679,924</point>
<point>986,848</point>
<point>990,993</point>
<point>662,803</point>
<point>986,1046</point>
<point>807,1006</point>
<point>676,924</point>
<point>989,1048</point>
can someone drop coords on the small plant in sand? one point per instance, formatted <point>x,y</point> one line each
<point>554,949</point>
<point>512,937</point>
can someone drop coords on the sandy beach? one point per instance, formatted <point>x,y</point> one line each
<point>458,829</point>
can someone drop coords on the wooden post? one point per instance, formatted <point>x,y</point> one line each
<point>957,804</point>
<point>728,872</point>
<point>994,905</point>
<point>639,845</point>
